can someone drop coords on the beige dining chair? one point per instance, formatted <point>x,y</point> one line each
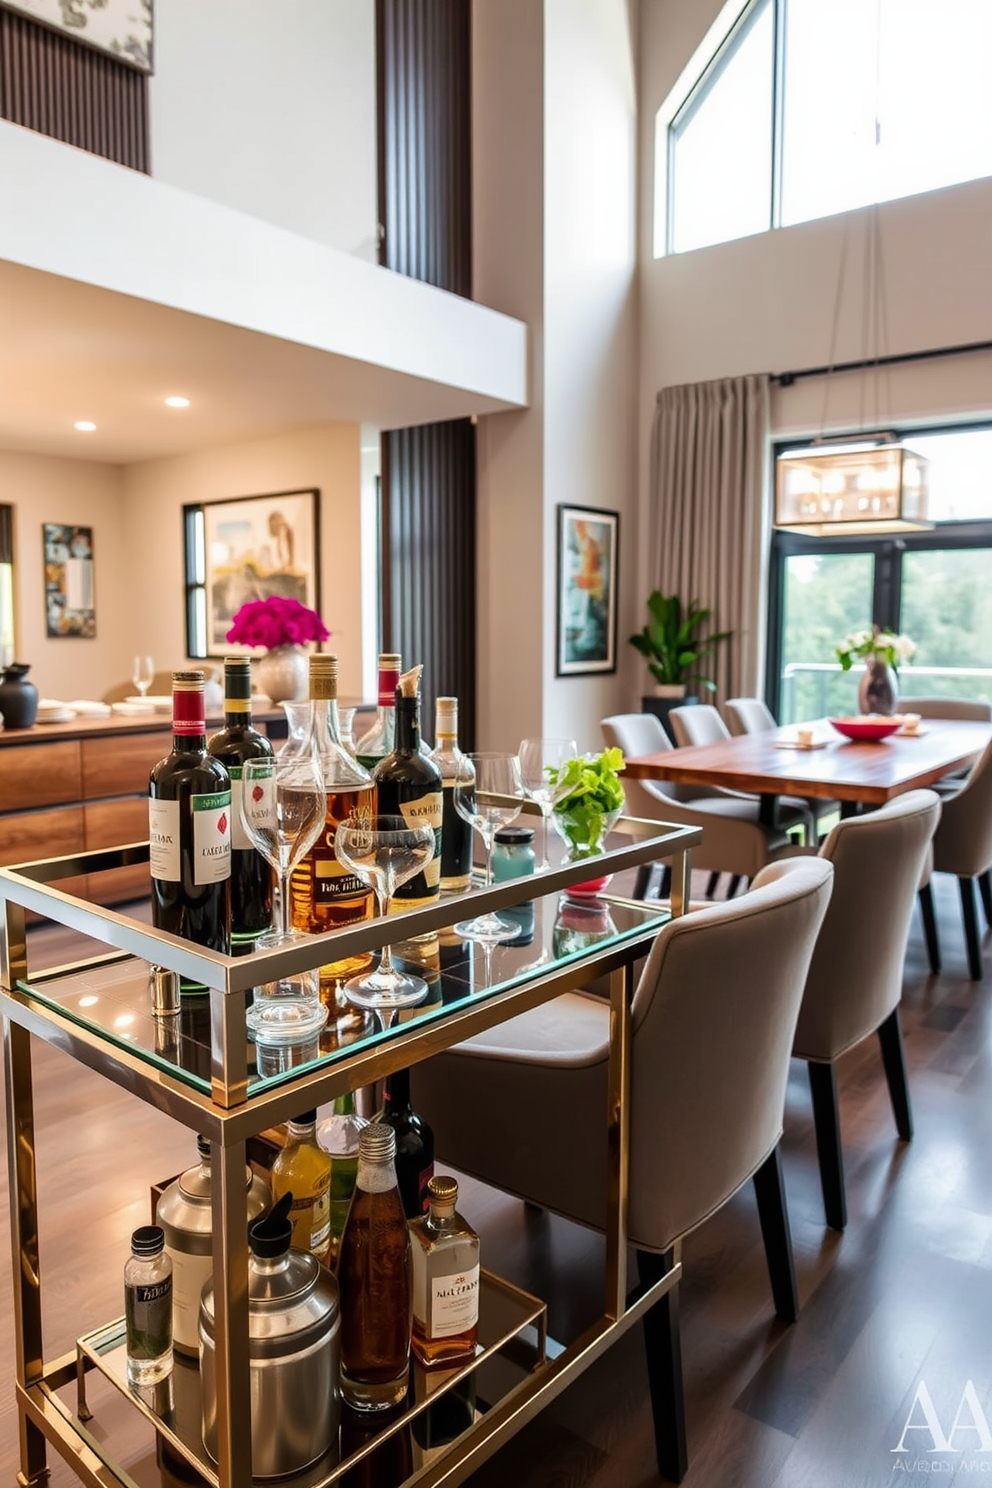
<point>751,715</point>
<point>734,840</point>
<point>945,707</point>
<point>855,978</point>
<point>962,845</point>
<point>712,1017</point>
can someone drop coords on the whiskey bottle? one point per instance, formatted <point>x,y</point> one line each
<point>414,1144</point>
<point>408,784</point>
<point>381,737</point>
<point>375,1280</point>
<point>303,1169</point>
<point>189,828</point>
<point>445,1280</point>
<point>251,875</point>
<point>456,834</point>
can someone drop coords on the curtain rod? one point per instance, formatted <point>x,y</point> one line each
<point>786,379</point>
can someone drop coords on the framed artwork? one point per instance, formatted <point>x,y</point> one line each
<point>69,606</point>
<point>121,27</point>
<point>248,547</point>
<point>587,591</point>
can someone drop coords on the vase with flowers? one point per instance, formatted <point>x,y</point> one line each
<point>881,650</point>
<point>587,799</point>
<point>284,627</point>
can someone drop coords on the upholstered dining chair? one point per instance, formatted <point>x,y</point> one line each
<point>946,707</point>
<point>751,715</point>
<point>855,978</point>
<point>712,1019</point>
<point>734,840</point>
<point>962,845</point>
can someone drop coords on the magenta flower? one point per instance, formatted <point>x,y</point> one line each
<point>276,622</point>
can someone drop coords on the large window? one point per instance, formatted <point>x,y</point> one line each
<point>818,106</point>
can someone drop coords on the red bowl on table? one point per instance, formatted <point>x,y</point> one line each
<point>866,729</point>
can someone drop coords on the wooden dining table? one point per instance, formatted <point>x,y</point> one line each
<point>858,775</point>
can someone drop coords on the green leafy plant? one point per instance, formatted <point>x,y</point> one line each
<point>672,643</point>
<point>588,798</point>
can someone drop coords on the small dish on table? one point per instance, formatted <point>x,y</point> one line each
<point>867,728</point>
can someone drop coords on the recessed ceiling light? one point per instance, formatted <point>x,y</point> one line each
<point>85,426</point>
<point>177,402</point>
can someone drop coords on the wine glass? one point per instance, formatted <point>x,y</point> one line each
<point>488,794</point>
<point>283,808</point>
<point>142,673</point>
<point>384,852</point>
<point>537,756</point>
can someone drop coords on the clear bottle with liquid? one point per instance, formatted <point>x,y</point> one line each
<point>456,833</point>
<point>148,1307</point>
<point>445,1280</point>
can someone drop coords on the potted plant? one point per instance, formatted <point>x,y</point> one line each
<point>588,798</point>
<point>674,646</point>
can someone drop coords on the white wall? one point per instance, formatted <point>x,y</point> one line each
<point>156,490</point>
<point>271,109</point>
<point>81,493</point>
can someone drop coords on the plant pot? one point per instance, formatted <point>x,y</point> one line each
<point>18,696</point>
<point>282,674</point>
<point>878,690</point>
<point>661,707</point>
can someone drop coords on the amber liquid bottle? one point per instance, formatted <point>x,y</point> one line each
<point>303,1169</point>
<point>374,1275</point>
<point>445,1280</point>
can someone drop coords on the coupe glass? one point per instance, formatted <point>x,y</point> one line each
<point>384,852</point>
<point>142,673</point>
<point>488,794</point>
<point>283,807</point>
<point>536,757</point>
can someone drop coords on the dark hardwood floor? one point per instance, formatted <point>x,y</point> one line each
<point>902,1299</point>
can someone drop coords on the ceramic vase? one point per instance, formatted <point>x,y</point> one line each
<point>18,697</point>
<point>283,673</point>
<point>878,690</point>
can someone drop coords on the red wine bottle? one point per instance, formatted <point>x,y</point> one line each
<point>408,784</point>
<point>251,875</point>
<point>414,1144</point>
<point>189,826</point>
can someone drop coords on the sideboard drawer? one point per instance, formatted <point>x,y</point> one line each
<point>40,775</point>
<point>121,763</point>
<point>27,837</point>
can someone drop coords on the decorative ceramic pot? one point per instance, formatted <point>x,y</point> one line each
<point>878,690</point>
<point>283,673</point>
<point>18,697</point>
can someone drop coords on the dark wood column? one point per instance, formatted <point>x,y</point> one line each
<point>425,214</point>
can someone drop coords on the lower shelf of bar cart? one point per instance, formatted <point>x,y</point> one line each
<point>441,1404</point>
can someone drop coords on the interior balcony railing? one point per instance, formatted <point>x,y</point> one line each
<point>817,689</point>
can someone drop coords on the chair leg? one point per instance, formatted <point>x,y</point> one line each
<point>642,883</point>
<point>826,1119</point>
<point>985,889</point>
<point>664,1355</point>
<point>893,1059</point>
<point>930,927</point>
<point>770,1192</point>
<point>970,915</point>
<point>734,885</point>
<point>665,892</point>
<point>711,884</point>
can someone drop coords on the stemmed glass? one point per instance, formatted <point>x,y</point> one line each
<point>488,794</point>
<point>384,852</point>
<point>142,673</point>
<point>536,757</point>
<point>283,808</point>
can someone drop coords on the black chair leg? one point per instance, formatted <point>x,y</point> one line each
<point>711,885</point>
<point>770,1192</point>
<point>826,1119</point>
<point>642,883</point>
<point>664,1355</point>
<point>970,913</point>
<point>734,885</point>
<point>985,889</point>
<point>930,927</point>
<point>665,892</point>
<point>893,1059</point>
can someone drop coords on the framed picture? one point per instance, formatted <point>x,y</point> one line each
<point>68,555</point>
<point>587,591</point>
<point>248,547</point>
<point>121,27</point>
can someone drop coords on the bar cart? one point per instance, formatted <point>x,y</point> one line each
<point>206,1075</point>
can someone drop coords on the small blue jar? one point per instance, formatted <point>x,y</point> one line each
<point>513,853</point>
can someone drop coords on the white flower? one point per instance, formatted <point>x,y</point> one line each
<point>905,648</point>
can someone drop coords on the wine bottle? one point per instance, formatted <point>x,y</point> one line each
<point>414,1144</point>
<point>323,894</point>
<point>189,828</point>
<point>381,737</point>
<point>409,785</point>
<point>456,834</point>
<point>251,875</point>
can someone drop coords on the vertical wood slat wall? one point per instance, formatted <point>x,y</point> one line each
<point>428,473</point>
<point>71,92</point>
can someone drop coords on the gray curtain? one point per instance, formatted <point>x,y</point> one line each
<point>709,534</point>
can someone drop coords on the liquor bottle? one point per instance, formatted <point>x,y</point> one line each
<point>189,827</point>
<point>323,894</point>
<point>303,1169</point>
<point>375,1280</point>
<point>409,785</point>
<point>339,1136</point>
<point>381,737</point>
<point>414,1143</point>
<point>251,875</point>
<point>456,834</point>
<point>148,1308</point>
<point>445,1280</point>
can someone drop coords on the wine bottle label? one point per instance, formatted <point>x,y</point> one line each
<point>426,810</point>
<point>189,1274</point>
<point>454,1303</point>
<point>163,837</point>
<point>211,837</point>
